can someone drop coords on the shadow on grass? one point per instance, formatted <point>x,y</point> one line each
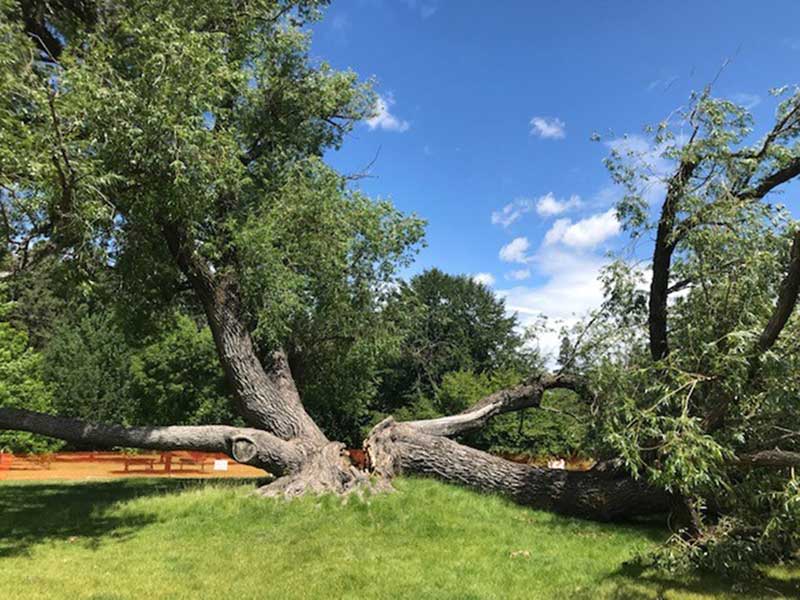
<point>629,579</point>
<point>34,513</point>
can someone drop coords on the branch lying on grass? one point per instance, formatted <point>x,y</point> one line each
<point>249,446</point>
<point>604,495</point>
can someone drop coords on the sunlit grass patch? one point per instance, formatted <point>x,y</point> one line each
<point>160,539</point>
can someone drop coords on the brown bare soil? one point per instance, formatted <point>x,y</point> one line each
<point>81,466</point>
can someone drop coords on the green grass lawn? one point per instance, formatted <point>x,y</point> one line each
<point>171,539</point>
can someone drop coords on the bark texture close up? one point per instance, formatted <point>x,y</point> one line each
<point>402,448</point>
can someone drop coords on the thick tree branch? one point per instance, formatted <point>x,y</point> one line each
<point>525,395</point>
<point>773,180</point>
<point>249,446</point>
<point>787,298</point>
<point>396,448</point>
<point>750,194</point>
<point>662,258</point>
<point>776,458</point>
<point>266,395</point>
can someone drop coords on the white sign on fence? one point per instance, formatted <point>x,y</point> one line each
<point>220,465</point>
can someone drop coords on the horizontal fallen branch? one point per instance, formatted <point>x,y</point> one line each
<point>249,446</point>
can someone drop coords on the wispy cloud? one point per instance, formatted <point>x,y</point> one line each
<point>747,100</point>
<point>662,84</point>
<point>383,118</point>
<point>511,212</point>
<point>519,274</point>
<point>426,9</point>
<point>546,206</point>
<point>792,43</point>
<point>515,251</point>
<point>484,278</point>
<point>340,21</point>
<point>340,28</point>
<point>586,233</point>
<point>548,128</point>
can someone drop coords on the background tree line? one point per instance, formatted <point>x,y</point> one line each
<point>439,343</point>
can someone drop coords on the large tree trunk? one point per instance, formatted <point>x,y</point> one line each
<point>266,395</point>
<point>422,448</point>
<point>396,448</point>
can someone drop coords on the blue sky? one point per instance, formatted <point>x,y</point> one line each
<point>487,110</point>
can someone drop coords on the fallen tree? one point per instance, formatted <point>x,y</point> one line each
<point>310,463</point>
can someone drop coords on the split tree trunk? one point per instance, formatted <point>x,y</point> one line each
<point>265,395</point>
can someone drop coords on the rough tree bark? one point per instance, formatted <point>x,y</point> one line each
<point>662,259</point>
<point>265,395</point>
<point>396,448</point>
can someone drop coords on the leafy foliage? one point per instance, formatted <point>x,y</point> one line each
<point>449,323</point>
<point>722,391</point>
<point>176,378</point>
<point>209,124</point>
<point>87,364</point>
<point>21,384</point>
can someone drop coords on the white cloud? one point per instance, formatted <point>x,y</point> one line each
<point>747,100</point>
<point>519,274</point>
<point>585,233</point>
<point>383,118</point>
<point>484,278</point>
<point>515,251</point>
<point>547,128</point>
<point>556,232</point>
<point>548,205</point>
<point>511,212</point>
<point>571,289</point>
<point>426,9</point>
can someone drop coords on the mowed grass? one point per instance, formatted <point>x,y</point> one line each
<point>171,539</point>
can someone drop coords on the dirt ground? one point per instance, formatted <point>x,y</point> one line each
<point>109,465</point>
<point>81,466</point>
